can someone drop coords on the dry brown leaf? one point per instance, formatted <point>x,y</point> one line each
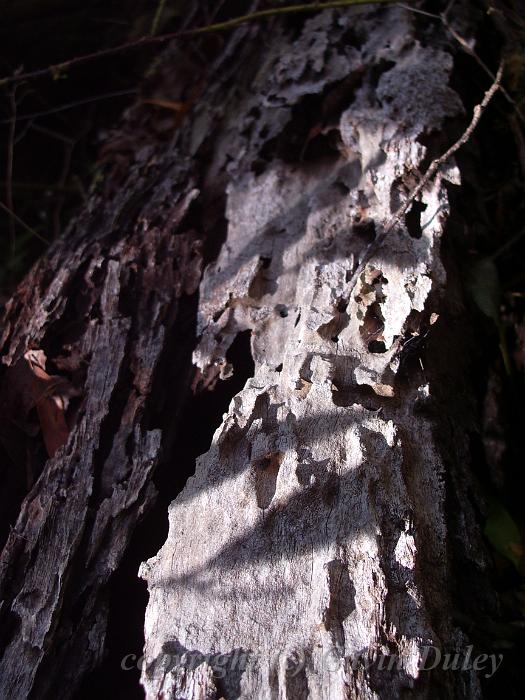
<point>48,394</point>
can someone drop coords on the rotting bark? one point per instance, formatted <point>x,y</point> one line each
<point>316,534</point>
<point>78,517</point>
<point>314,539</point>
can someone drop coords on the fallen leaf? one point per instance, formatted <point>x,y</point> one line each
<point>49,395</point>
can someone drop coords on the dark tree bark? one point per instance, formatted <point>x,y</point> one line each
<point>335,511</point>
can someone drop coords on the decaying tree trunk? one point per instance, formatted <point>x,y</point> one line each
<point>322,531</point>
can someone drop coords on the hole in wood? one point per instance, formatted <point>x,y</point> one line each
<point>266,471</point>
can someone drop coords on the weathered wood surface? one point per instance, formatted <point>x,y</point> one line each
<point>321,529</point>
<point>106,306</point>
<point>111,308</point>
<point>314,538</point>
<point>77,519</point>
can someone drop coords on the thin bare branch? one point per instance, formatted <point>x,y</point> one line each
<point>431,171</point>
<point>58,68</point>
<point>71,105</point>
<point>438,162</point>
<point>467,48</point>
<point>156,19</point>
<point>23,224</point>
<point>470,50</point>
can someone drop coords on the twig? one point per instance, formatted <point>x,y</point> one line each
<point>437,162</point>
<point>431,171</point>
<point>418,11</point>
<point>285,10</point>
<point>502,249</point>
<point>467,48</point>
<point>71,105</point>
<point>156,18</point>
<point>51,133</point>
<point>24,225</point>
<point>57,68</point>
<point>449,7</point>
<point>22,133</point>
